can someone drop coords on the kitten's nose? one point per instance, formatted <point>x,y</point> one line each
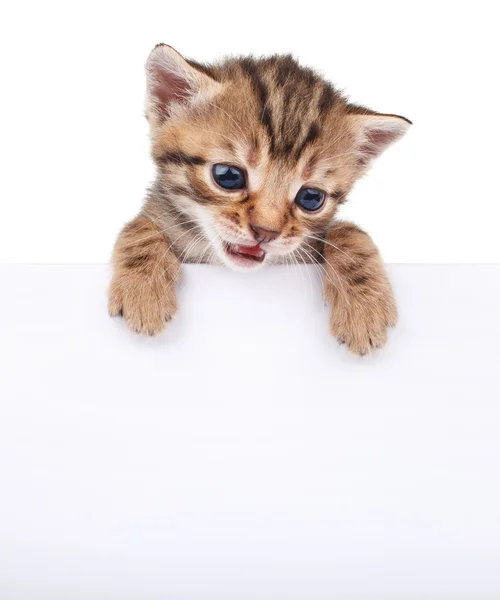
<point>264,235</point>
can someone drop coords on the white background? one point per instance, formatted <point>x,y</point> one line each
<point>244,455</point>
<point>74,147</point>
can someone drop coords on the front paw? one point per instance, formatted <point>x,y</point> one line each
<point>146,305</point>
<point>362,324</point>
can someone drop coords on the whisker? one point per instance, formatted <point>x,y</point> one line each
<point>294,258</point>
<point>312,237</point>
<point>323,273</point>
<point>309,275</point>
<point>164,230</point>
<point>210,243</point>
<point>339,286</point>
<point>166,251</point>
<point>191,245</point>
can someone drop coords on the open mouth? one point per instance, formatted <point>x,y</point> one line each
<point>245,254</point>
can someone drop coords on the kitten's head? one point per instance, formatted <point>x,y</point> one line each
<point>259,153</point>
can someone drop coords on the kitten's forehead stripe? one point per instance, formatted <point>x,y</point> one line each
<point>250,67</point>
<point>327,99</point>
<point>292,101</point>
<point>311,136</point>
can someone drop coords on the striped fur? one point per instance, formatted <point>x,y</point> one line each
<point>281,123</point>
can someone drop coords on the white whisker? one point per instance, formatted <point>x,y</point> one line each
<point>312,237</point>
<point>339,286</point>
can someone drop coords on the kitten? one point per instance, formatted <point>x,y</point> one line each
<point>253,158</point>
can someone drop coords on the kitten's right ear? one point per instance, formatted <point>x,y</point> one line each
<point>173,83</point>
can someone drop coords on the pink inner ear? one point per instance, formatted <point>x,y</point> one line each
<point>168,88</point>
<point>376,142</point>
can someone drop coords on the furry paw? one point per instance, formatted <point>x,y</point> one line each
<point>146,306</point>
<point>362,328</point>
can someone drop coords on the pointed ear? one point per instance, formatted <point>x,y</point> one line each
<point>376,132</point>
<point>173,83</point>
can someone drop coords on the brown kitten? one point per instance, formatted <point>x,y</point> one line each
<point>253,157</point>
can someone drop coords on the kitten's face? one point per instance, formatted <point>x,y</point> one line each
<point>257,153</point>
<point>254,207</point>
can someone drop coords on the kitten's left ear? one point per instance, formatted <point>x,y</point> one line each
<point>174,83</point>
<point>376,132</point>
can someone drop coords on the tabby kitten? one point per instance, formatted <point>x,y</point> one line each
<point>253,157</point>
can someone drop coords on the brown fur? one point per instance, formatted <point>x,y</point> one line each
<point>285,127</point>
<point>357,288</point>
<point>145,272</point>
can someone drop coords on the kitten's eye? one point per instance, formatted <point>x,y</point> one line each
<point>228,177</point>
<point>310,199</point>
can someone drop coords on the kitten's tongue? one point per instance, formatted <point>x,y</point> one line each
<point>249,250</point>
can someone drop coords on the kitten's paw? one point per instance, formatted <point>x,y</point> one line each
<point>146,307</point>
<point>362,328</point>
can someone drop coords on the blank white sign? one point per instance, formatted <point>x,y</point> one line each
<point>244,454</point>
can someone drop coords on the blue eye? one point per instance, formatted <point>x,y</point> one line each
<point>310,199</point>
<point>228,177</point>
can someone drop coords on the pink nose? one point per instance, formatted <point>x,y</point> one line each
<point>264,235</point>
